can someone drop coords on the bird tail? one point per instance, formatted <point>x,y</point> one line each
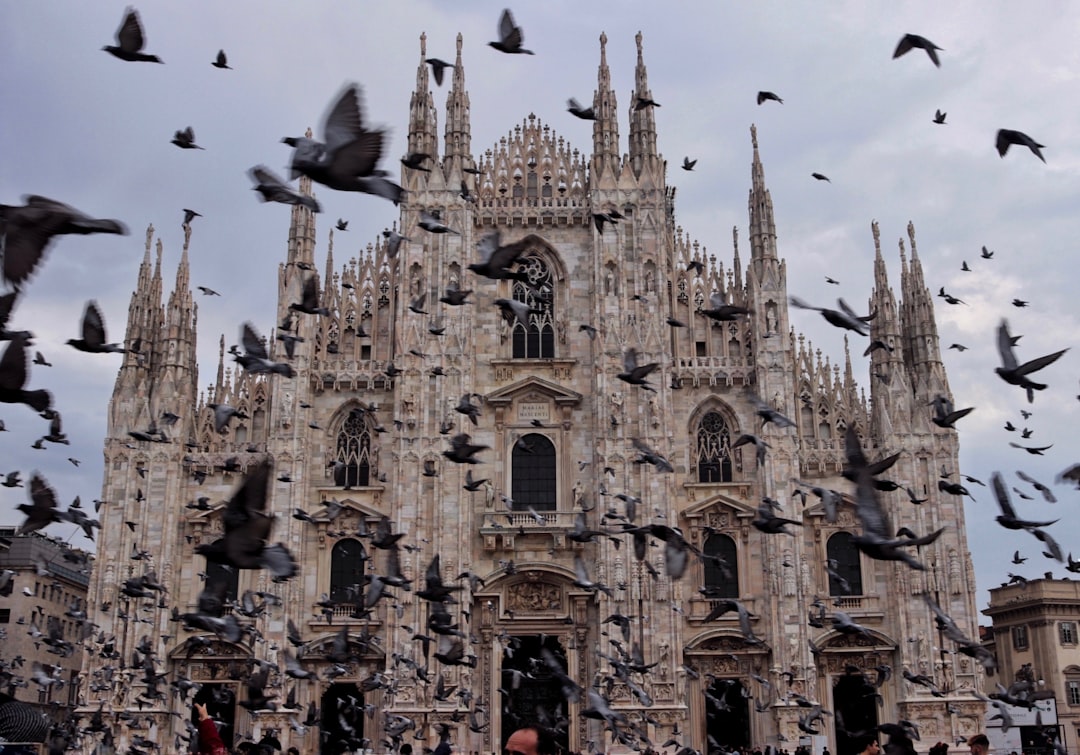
<point>282,368</point>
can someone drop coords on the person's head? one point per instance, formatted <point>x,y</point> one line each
<point>871,746</point>
<point>405,749</point>
<point>979,744</point>
<point>531,740</point>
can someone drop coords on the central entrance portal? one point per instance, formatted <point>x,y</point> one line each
<point>854,703</point>
<point>727,715</point>
<point>530,692</point>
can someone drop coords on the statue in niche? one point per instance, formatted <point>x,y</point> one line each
<point>954,572</point>
<point>648,281</point>
<point>489,493</point>
<point>664,654</point>
<point>770,319</point>
<point>578,493</point>
<point>609,283</point>
<point>789,574</point>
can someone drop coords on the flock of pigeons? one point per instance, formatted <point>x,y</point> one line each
<point>347,159</point>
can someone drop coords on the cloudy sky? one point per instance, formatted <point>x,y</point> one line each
<point>83,127</point>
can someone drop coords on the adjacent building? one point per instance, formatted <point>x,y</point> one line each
<point>1034,636</point>
<point>366,418</point>
<point>43,619</point>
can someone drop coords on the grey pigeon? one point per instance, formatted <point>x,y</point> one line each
<point>25,233</point>
<point>93,333</point>
<point>273,189</point>
<point>221,61</point>
<point>939,117</point>
<point>844,318</point>
<point>130,40</point>
<point>910,42</point>
<point>437,68</point>
<point>255,358</point>
<point>185,139</point>
<point>510,36</point>
<point>347,157</point>
<point>575,109</point>
<point>1014,373</point>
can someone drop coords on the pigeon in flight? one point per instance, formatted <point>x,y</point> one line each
<point>432,223</point>
<point>911,41</point>
<point>190,215</point>
<point>821,177</point>
<point>207,291</point>
<point>130,41</point>
<point>688,164</point>
<point>93,333</point>
<point>762,97</point>
<point>844,318</point>
<point>273,189</point>
<point>221,61</point>
<point>438,67</point>
<point>309,300</point>
<point>939,117</point>
<point>1017,374</point>
<point>633,373</point>
<point>255,358</point>
<point>347,157</point>
<point>185,139</point>
<point>584,113</point>
<point>342,225</point>
<point>643,102</point>
<point>13,376</point>
<point>511,37</point>
<point>1007,137</point>
<point>25,233</point>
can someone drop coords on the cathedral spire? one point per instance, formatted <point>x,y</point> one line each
<point>889,386</point>
<point>920,325</point>
<point>458,128</point>
<point>422,125</point>
<point>642,117</point>
<point>302,227</point>
<point>606,124</point>
<point>762,224</point>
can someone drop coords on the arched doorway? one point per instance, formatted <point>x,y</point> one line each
<point>537,697</point>
<point>220,701</point>
<point>727,715</point>
<point>855,708</point>
<point>342,707</point>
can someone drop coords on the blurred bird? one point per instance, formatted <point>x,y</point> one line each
<point>511,37</point>
<point>221,61</point>
<point>93,333</point>
<point>910,42</point>
<point>185,139</point>
<point>130,40</point>
<point>574,108</point>
<point>1007,137</point>
<point>273,189</point>
<point>762,97</point>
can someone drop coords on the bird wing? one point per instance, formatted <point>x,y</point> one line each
<point>7,303</point>
<point>311,293</point>
<point>253,344</point>
<point>1005,347</point>
<point>1037,364</point>
<point>1002,496</point>
<point>344,122</point>
<point>260,174</point>
<point>13,365</point>
<point>246,523</point>
<point>509,32</point>
<point>130,34</point>
<point>93,326</point>
<point>359,156</point>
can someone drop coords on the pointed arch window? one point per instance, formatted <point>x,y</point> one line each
<point>537,341</point>
<point>532,470</point>
<point>354,451</point>
<point>721,567</point>
<point>847,565</point>
<point>346,570</point>
<point>713,453</point>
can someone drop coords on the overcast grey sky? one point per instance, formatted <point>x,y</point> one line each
<point>80,126</point>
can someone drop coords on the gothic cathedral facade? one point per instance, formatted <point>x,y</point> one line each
<point>559,426</point>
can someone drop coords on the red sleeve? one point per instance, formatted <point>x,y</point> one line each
<point>209,741</point>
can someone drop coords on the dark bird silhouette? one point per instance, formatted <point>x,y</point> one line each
<point>130,40</point>
<point>221,61</point>
<point>255,358</point>
<point>93,333</point>
<point>986,254</point>
<point>944,414</point>
<point>844,318</point>
<point>42,510</point>
<point>25,233</point>
<point>190,215</point>
<point>1014,373</point>
<point>438,68</point>
<point>1007,137</point>
<point>13,375</point>
<point>247,528</point>
<point>911,41</point>
<point>762,97</point>
<point>1008,518</point>
<point>347,158</point>
<point>342,225</point>
<point>821,177</point>
<point>939,117</point>
<point>185,139</point>
<point>511,37</point>
<point>640,103</point>
<point>273,189</point>
<point>633,373</point>
<point>415,161</point>
<point>1033,450</point>
<point>584,113</point>
<point>309,301</point>
<point>688,164</point>
<point>496,260</point>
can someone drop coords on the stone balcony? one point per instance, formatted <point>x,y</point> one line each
<point>500,529</point>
